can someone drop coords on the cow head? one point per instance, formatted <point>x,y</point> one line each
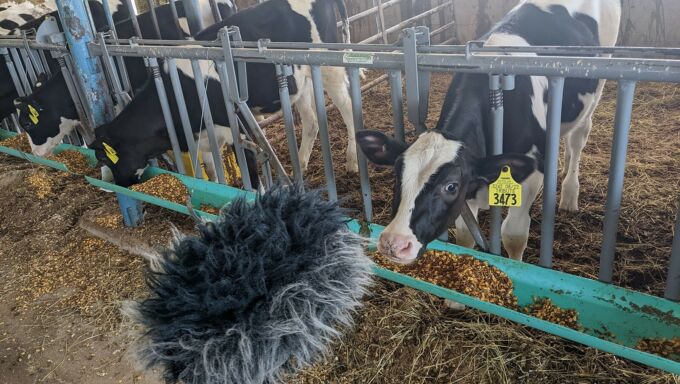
<point>45,129</point>
<point>433,179</point>
<point>127,165</point>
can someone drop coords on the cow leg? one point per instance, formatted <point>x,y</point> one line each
<point>223,136</point>
<point>515,228</point>
<point>337,86</point>
<point>576,141</point>
<point>310,125</point>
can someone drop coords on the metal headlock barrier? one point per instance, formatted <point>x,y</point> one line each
<point>612,318</point>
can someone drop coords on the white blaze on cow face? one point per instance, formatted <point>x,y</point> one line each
<point>420,161</point>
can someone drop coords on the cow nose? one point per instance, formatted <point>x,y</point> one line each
<point>398,247</point>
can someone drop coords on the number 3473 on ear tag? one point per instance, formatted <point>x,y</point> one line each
<point>505,192</point>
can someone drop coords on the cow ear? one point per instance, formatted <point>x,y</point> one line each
<point>19,100</point>
<point>379,148</point>
<point>489,169</point>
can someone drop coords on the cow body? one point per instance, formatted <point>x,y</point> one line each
<point>452,163</point>
<point>58,114</point>
<point>278,20</point>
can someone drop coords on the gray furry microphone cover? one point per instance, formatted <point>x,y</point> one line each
<point>258,294</point>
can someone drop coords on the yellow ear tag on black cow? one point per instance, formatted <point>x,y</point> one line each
<point>505,192</point>
<point>110,153</point>
<point>33,114</point>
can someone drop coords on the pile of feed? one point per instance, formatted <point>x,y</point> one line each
<point>110,220</point>
<point>164,186</point>
<point>544,309</point>
<point>18,142</point>
<point>669,348</point>
<point>75,161</point>
<point>461,273</point>
<point>41,183</point>
<point>232,172</point>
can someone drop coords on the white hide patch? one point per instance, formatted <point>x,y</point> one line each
<point>207,68</point>
<point>421,160</point>
<point>304,8</point>
<point>66,126</point>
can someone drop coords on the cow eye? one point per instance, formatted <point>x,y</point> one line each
<point>451,188</point>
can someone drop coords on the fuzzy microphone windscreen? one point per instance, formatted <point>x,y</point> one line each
<point>258,294</point>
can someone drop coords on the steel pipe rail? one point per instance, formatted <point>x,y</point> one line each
<point>408,21</point>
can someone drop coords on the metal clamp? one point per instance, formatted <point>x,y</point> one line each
<point>262,45</point>
<point>470,45</point>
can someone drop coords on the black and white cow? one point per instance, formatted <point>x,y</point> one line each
<point>7,91</point>
<point>451,164</point>
<point>13,15</point>
<point>57,112</point>
<point>140,133</point>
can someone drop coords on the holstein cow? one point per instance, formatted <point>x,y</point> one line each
<point>139,132</point>
<point>13,16</point>
<point>7,91</point>
<point>57,115</point>
<point>451,164</point>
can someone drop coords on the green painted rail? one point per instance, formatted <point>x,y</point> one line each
<point>613,319</point>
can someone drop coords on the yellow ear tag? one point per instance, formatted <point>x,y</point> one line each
<point>110,153</point>
<point>33,114</point>
<point>505,192</point>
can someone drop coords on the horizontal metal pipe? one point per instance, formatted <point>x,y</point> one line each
<point>442,28</point>
<point>576,67</point>
<point>368,12</point>
<point>408,21</point>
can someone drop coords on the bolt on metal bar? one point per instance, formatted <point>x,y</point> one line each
<point>20,70</point>
<point>167,115</point>
<point>497,110</point>
<point>552,151</point>
<point>282,73</point>
<point>13,72</point>
<point>397,105</point>
<point>183,114</point>
<point>673,280</point>
<point>154,18</point>
<point>234,125</point>
<point>624,109</point>
<point>322,118</point>
<point>357,112</point>
<point>208,120</point>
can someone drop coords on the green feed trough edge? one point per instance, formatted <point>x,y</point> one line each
<point>613,319</point>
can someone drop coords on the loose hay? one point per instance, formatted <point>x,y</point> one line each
<point>164,186</point>
<point>75,161</point>
<point>42,183</point>
<point>544,309</point>
<point>18,142</point>
<point>461,273</point>
<point>662,347</point>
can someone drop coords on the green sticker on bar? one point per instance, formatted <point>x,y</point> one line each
<point>357,58</point>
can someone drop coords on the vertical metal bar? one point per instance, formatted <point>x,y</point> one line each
<point>241,67</point>
<point>234,125</point>
<point>13,72</point>
<point>355,94</point>
<point>624,108</point>
<point>154,19</point>
<point>207,118</point>
<point>20,70</point>
<point>552,151</point>
<point>30,54</point>
<point>167,115</point>
<point>497,110</point>
<point>175,17</point>
<point>397,105</point>
<point>673,280</point>
<point>215,11</point>
<point>192,10</point>
<point>43,59</point>
<point>111,71</point>
<point>322,118</point>
<point>133,17</point>
<point>108,15</point>
<point>78,95</point>
<point>423,38</point>
<point>17,126</point>
<point>183,114</point>
<point>412,83</point>
<point>124,77</point>
<point>282,73</point>
<point>29,66</point>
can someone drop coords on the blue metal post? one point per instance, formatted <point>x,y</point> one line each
<point>624,110</point>
<point>552,151</point>
<point>79,34</point>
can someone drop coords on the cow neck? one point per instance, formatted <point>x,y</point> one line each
<point>463,117</point>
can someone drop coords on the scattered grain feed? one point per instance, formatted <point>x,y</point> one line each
<point>544,309</point>
<point>461,273</point>
<point>18,142</point>
<point>669,348</point>
<point>75,161</point>
<point>42,184</point>
<point>164,186</point>
<point>110,221</point>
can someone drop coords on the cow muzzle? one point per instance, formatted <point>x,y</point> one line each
<point>400,248</point>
